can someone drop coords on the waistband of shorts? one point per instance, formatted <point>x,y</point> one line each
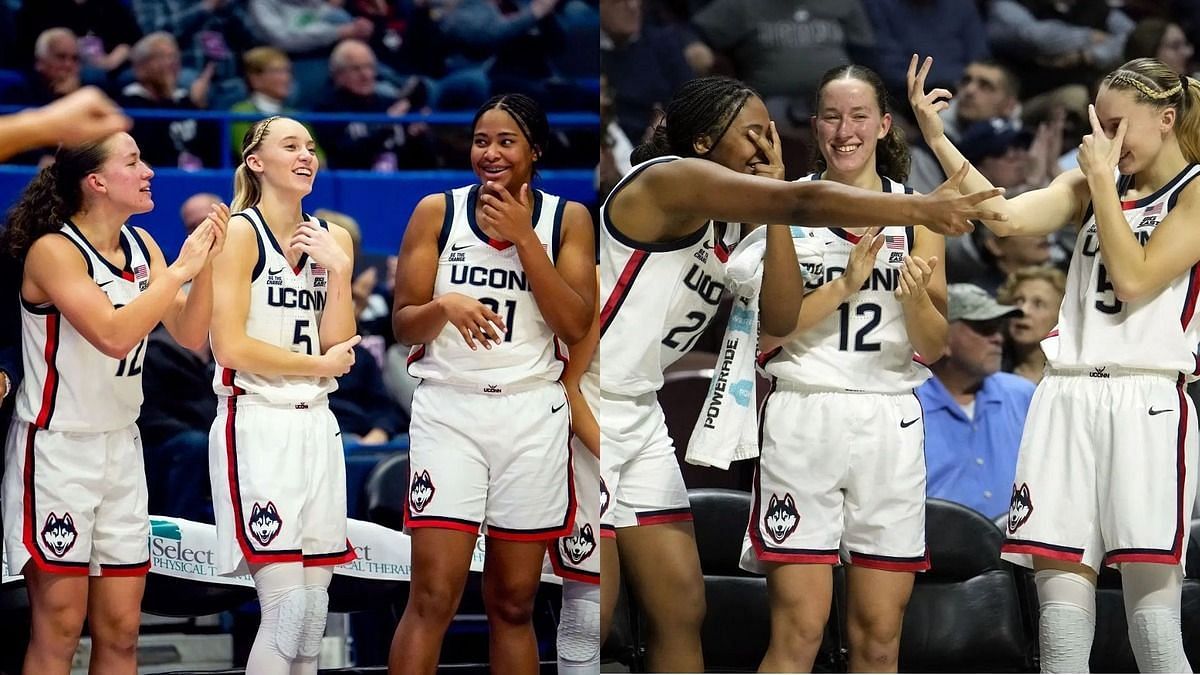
<point>800,388</point>
<point>1105,372</point>
<point>490,389</point>
<point>259,400</point>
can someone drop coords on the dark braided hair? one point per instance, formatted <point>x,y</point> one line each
<point>528,114</point>
<point>704,107</point>
<point>54,195</point>
<point>892,158</point>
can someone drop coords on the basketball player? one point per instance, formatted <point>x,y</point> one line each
<point>283,329</point>
<point>577,558</point>
<point>74,494</point>
<point>661,277</point>
<point>843,448</point>
<point>494,275</point>
<point>1105,474</point>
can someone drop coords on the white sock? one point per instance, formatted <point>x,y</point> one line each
<point>579,629</point>
<point>1067,622</point>
<point>1152,607</point>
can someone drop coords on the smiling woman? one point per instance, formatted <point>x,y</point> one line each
<point>504,266</point>
<point>283,328</point>
<point>75,491</point>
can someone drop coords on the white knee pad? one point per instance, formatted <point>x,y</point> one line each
<point>285,616</point>
<point>1067,622</point>
<point>317,610</point>
<point>579,629</point>
<point>1152,607</point>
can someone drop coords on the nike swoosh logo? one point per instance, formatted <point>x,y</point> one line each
<point>909,423</point>
<point>457,247</point>
<point>1152,411</point>
<point>560,407</point>
<point>709,245</point>
<point>274,272</point>
<point>105,283</point>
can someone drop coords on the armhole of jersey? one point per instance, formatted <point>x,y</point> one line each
<point>82,251</point>
<point>323,223</point>
<point>556,232</point>
<point>49,308</point>
<point>262,254</point>
<point>1182,186</point>
<point>137,238</point>
<point>447,221</point>
<point>910,235</point>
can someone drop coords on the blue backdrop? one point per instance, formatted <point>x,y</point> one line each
<point>381,203</point>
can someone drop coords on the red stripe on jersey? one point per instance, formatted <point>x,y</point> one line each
<point>227,379</point>
<point>50,386</point>
<point>1189,303</point>
<point>1053,333</point>
<point>632,267</point>
<point>416,355</point>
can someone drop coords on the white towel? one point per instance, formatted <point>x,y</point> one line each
<point>727,429</point>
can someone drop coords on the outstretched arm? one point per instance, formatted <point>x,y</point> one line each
<point>1032,213</point>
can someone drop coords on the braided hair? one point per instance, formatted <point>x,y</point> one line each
<point>892,158</point>
<point>529,116</point>
<point>54,195</point>
<point>1153,83</point>
<point>701,108</point>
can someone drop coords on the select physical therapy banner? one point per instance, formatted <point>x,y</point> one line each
<point>187,550</point>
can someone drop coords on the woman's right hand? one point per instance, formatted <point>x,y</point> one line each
<point>338,359</point>
<point>862,258</point>
<point>474,320</point>
<point>926,106</point>
<point>194,252</point>
<point>948,211</point>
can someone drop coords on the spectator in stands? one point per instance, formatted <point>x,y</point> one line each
<point>951,31</point>
<point>782,48</point>
<point>615,147</point>
<point>645,64</point>
<point>988,89</point>
<point>56,69</point>
<point>269,80</point>
<point>178,410</point>
<point>106,28</point>
<point>307,30</point>
<point>182,143</point>
<point>974,414</point>
<point>1161,39</point>
<point>1038,292</point>
<point>360,145</point>
<point>207,31</point>
<point>1058,48</point>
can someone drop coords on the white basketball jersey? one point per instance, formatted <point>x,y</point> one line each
<point>286,305</point>
<point>1096,329</point>
<point>863,345</point>
<point>656,298</point>
<point>473,264</point>
<point>70,385</point>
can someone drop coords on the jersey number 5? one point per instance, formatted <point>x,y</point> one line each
<point>1104,289</point>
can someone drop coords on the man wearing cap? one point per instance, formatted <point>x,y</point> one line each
<point>974,414</point>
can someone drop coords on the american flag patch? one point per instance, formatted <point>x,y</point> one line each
<point>317,268</point>
<point>140,271</point>
<point>893,241</point>
<point>1153,209</point>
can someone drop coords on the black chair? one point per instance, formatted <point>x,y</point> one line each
<point>965,612</point>
<point>386,491</point>
<point>625,644</point>
<point>737,626</point>
<point>169,596</point>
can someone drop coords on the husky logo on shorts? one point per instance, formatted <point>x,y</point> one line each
<point>604,497</point>
<point>1020,508</point>
<point>579,545</point>
<point>265,523</point>
<point>59,534</point>
<point>422,491</point>
<point>781,519</point>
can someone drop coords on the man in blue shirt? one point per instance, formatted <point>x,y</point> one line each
<point>974,413</point>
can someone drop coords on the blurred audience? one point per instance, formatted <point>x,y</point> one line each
<point>269,80</point>
<point>951,31</point>
<point>987,90</point>
<point>1163,40</point>
<point>107,29</point>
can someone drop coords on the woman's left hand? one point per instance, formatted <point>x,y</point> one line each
<point>914,278</point>
<point>772,150</point>
<point>1098,153</point>
<point>320,245</point>
<point>508,216</point>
